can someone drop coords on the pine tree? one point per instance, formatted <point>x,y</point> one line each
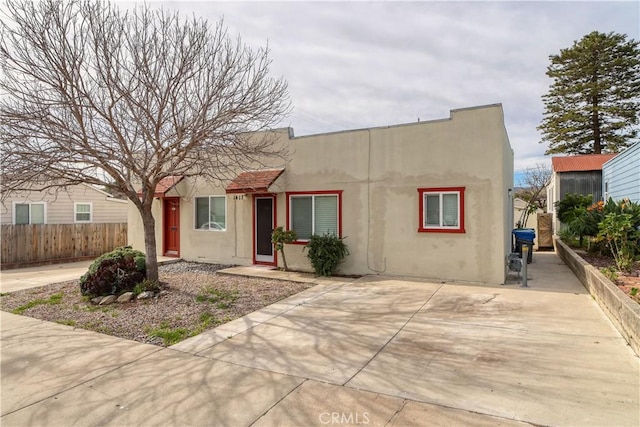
<point>593,104</point>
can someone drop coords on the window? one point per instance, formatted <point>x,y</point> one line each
<point>83,212</point>
<point>314,213</point>
<point>441,210</point>
<point>211,213</point>
<point>29,213</point>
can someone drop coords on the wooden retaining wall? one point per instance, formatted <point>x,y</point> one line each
<point>24,245</point>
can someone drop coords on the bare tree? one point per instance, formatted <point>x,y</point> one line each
<point>93,94</point>
<point>535,181</point>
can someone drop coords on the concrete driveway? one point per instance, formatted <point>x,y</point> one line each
<point>375,351</point>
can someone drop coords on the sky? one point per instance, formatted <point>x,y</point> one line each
<point>352,65</point>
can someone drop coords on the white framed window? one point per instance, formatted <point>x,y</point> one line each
<point>441,210</point>
<point>83,212</point>
<point>29,213</point>
<point>211,213</point>
<point>317,212</point>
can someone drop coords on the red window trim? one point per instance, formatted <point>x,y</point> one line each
<point>313,193</point>
<point>422,228</point>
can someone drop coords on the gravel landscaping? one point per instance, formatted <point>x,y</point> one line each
<point>193,299</point>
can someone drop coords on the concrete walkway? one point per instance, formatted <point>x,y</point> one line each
<point>33,277</point>
<point>372,351</point>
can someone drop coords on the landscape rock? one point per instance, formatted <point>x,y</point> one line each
<point>96,300</point>
<point>145,295</point>
<point>163,293</point>
<point>109,299</point>
<point>126,297</point>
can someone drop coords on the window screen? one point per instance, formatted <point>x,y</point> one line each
<point>314,214</point>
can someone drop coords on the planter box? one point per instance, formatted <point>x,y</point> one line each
<point>623,312</point>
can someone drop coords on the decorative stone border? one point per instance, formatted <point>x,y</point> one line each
<point>621,310</point>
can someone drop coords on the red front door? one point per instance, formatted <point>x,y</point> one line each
<point>171,231</point>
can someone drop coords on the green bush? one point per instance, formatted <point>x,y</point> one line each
<point>585,221</point>
<point>570,206</point>
<point>146,285</point>
<point>620,236</point>
<point>114,272</point>
<point>325,253</point>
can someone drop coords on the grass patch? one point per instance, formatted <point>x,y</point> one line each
<point>222,299</point>
<point>170,336</point>
<point>103,329</point>
<point>52,300</point>
<point>207,318</point>
<point>67,322</point>
<point>93,308</point>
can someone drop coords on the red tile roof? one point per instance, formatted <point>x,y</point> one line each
<point>586,162</point>
<point>254,181</point>
<point>164,185</point>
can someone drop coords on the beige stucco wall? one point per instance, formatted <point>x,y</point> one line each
<point>506,198</point>
<point>59,204</point>
<point>379,171</point>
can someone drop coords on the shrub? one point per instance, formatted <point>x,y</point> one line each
<point>114,272</point>
<point>279,237</point>
<point>610,273</point>
<point>585,220</point>
<point>619,234</point>
<point>146,285</point>
<point>325,253</point>
<point>570,206</point>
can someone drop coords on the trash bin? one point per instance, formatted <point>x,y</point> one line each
<point>524,236</point>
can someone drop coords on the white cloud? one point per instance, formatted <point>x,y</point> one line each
<point>361,64</point>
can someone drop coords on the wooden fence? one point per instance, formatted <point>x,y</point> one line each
<point>24,245</point>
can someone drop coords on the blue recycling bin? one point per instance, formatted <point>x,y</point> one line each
<point>524,236</point>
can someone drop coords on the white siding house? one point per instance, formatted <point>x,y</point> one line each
<point>76,204</point>
<point>621,175</point>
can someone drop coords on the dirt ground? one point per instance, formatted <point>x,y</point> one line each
<point>626,282</point>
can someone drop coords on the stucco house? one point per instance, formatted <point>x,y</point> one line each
<point>580,174</point>
<point>76,204</point>
<point>621,175</point>
<point>428,199</point>
<point>519,206</point>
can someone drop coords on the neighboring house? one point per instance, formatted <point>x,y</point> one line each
<point>575,175</point>
<point>428,199</point>
<point>519,206</point>
<point>621,175</point>
<point>80,203</point>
